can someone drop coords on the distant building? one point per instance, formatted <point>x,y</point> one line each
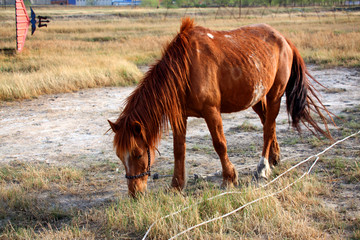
<point>82,2</point>
<point>102,2</point>
<point>125,3</point>
<point>40,2</point>
<point>7,2</point>
<point>352,3</point>
<point>59,2</point>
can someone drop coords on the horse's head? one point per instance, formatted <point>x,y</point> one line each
<point>136,155</point>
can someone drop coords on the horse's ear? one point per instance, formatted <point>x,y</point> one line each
<point>113,126</point>
<point>137,128</point>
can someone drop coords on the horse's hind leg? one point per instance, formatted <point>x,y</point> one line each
<point>214,122</point>
<point>274,153</point>
<point>272,110</point>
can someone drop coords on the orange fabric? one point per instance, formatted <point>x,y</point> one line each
<point>22,24</point>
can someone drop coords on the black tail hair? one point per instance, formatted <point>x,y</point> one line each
<point>301,98</point>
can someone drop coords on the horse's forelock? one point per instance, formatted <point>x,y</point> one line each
<point>124,140</point>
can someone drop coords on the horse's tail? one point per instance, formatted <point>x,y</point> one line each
<point>301,97</point>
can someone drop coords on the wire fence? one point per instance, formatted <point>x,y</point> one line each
<point>315,157</point>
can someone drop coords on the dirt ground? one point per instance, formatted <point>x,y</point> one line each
<point>70,130</point>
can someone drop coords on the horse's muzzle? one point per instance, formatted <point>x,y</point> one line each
<point>136,186</point>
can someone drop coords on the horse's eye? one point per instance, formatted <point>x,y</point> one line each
<point>138,157</point>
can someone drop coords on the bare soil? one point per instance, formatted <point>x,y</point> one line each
<point>71,130</point>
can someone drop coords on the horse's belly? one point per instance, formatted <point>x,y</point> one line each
<point>242,99</point>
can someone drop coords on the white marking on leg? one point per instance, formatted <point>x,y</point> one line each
<point>263,168</point>
<point>210,35</point>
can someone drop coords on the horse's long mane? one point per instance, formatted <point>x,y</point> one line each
<point>160,96</point>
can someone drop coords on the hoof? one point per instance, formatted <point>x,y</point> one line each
<point>230,181</point>
<point>274,155</point>
<point>263,169</point>
<point>178,184</point>
<point>258,181</point>
<point>274,160</point>
<point>257,177</point>
<point>226,185</point>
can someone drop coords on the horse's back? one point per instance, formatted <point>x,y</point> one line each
<point>234,69</point>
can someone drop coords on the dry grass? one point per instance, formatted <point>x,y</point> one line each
<point>23,188</point>
<point>66,74</point>
<point>296,214</point>
<point>91,47</point>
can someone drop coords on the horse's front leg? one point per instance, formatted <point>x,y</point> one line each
<point>179,177</point>
<point>214,122</point>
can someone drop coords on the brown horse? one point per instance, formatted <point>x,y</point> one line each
<point>203,73</point>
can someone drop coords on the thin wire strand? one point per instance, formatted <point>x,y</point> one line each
<point>254,201</point>
<point>195,204</point>
<point>245,205</point>
<point>272,194</point>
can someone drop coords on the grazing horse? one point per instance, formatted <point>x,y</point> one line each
<point>203,73</point>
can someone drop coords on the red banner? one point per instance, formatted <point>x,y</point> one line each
<point>22,24</point>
